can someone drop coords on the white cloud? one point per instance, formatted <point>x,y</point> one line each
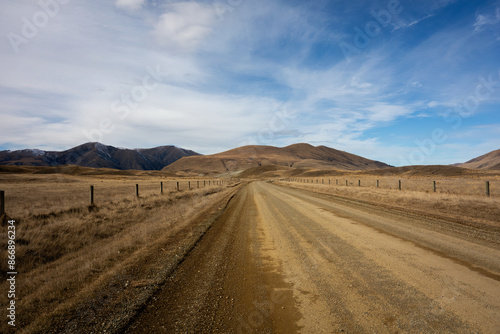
<point>486,20</point>
<point>129,4</point>
<point>387,112</point>
<point>255,58</point>
<point>416,84</point>
<point>403,25</point>
<point>184,27</point>
<point>356,83</point>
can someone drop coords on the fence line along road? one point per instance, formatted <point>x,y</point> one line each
<point>457,187</point>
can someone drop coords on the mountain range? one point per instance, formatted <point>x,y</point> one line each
<point>293,156</point>
<point>98,155</point>
<point>176,160</point>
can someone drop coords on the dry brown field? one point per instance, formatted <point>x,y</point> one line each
<point>459,198</point>
<point>68,250</point>
<point>114,265</point>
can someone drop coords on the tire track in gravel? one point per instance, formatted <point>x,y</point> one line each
<point>283,260</point>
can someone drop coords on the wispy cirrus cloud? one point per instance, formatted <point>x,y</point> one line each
<point>223,77</point>
<point>185,25</point>
<point>485,20</point>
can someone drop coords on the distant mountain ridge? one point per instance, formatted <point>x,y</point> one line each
<point>489,161</point>
<point>293,156</point>
<point>98,155</point>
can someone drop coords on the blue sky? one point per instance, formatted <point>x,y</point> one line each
<point>404,82</point>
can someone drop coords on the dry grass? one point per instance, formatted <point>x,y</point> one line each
<point>32,194</point>
<point>463,186</point>
<point>459,199</point>
<point>64,245</point>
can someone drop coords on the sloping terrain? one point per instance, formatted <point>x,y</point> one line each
<point>487,161</point>
<point>293,156</point>
<point>98,155</point>
<point>275,171</point>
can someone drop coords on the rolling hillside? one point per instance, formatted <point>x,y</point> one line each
<point>98,155</point>
<point>487,161</point>
<point>293,156</point>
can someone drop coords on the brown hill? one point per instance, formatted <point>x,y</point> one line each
<point>78,171</point>
<point>293,156</point>
<point>487,161</point>
<point>274,171</point>
<point>97,155</point>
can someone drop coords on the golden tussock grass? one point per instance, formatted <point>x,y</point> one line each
<point>461,199</point>
<point>64,246</point>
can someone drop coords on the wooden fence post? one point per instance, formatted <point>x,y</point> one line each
<point>399,184</point>
<point>2,202</point>
<point>337,182</point>
<point>378,184</point>
<point>178,186</point>
<point>197,184</point>
<point>189,184</point>
<point>204,183</point>
<point>359,183</point>
<point>91,195</point>
<point>137,190</point>
<point>161,187</point>
<point>346,183</point>
<point>434,186</point>
<point>488,188</point>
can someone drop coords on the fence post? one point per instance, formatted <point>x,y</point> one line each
<point>359,183</point>
<point>337,182</point>
<point>378,184</point>
<point>91,196</point>
<point>2,202</point>
<point>161,187</point>
<point>399,184</point>
<point>204,183</point>
<point>178,186</point>
<point>346,183</point>
<point>488,188</point>
<point>137,190</point>
<point>189,184</point>
<point>434,186</point>
<point>197,184</point>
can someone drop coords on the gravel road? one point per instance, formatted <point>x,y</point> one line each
<point>284,260</point>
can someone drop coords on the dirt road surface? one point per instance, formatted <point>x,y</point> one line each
<point>283,260</point>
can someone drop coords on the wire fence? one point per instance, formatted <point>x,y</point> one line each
<point>40,198</point>
<point>442,186</point>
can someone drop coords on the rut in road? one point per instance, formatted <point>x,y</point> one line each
<point>282,260</point>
